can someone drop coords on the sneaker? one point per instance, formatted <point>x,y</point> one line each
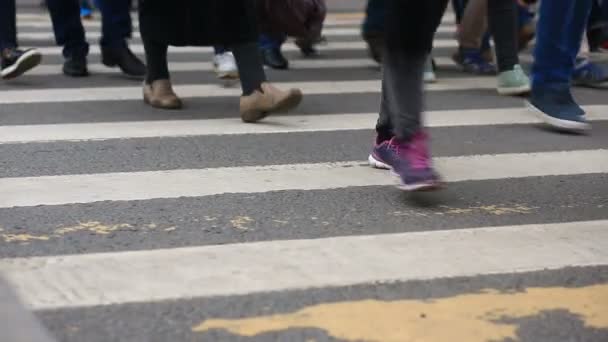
<point>16,62</point>
<point>76,66</point>
<point>225,67</point>
<point>274,59</point>
<point>410,162</point>
<point>375,160</point>
<point>473,62</point>
<point>556,107</point>
<point>429,71</point>
<point>123,58</point>
<point>160,94</point>
<point>589,74</point>
<point>268,100</point>
<point>513,82</point>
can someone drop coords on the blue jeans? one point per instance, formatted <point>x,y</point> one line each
<point>69,32</point>
<point>558,40</point>
<point>8,28</point>
<point>268,42</point>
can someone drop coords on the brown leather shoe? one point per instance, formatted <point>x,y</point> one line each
<point>160,94</point>
<point>260,104</point>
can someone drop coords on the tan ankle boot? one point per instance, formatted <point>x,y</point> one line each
<point>160,94</point>
<point>260,104</point>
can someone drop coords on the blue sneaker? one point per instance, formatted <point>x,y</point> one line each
<point>555,105</point>
<point>410,162</point>
<point>589,74</point>
<point>472,62</point>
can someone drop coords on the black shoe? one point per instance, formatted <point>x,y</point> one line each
<point>274,59</point>
<point>122,57</point>
<point>16,62</point>
<point>76,66</point>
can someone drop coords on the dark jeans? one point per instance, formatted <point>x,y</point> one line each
<point>374,16</point>
<point>558,40</point>
<point>69,32</point>
<point>410,29</point>
<point>8,27</point>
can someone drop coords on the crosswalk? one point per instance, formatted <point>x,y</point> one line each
<point>111,212</point>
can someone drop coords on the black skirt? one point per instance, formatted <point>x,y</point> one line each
<point>198,22</point>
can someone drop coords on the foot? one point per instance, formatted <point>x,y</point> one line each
<point>429,71</point>
<point>76,66</point>
<point>225,66</point>
<point>589,74</point>
<point>375,45</point>
<point>274,59</point>
<point>125,59</point>
<point>268,100</point>
<point>473,62</point>
<point>555,105</point>
<point>160,94</point>
<point>15,62</point>
<point>308,46</point>
<point>375,159</point>
<point>513,82</point>
<point>410,162</point>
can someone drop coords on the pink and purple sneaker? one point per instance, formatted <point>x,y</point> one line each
<point>409,161</point>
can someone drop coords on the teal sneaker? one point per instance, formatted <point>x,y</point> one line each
<point>429,71</point>
<point>513,82</point>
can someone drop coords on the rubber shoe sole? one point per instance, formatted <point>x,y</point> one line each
<point>560,124</point>
<point>514,91</point>
<point>281,107</point>
<point>27,61</point>
<point>377,164</point>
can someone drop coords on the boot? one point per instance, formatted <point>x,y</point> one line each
<point>269,100</point>
<point>160,94</point>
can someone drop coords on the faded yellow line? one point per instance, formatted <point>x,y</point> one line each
<point>475,317</point>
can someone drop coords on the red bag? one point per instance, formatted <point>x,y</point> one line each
<point>296,18</point>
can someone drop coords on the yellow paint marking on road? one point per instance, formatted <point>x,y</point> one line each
<point>475,317</point>
<point>93,227</point>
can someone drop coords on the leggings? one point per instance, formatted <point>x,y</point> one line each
<point>247,58</point>
<point>410,29</point>
<point>501,16</point>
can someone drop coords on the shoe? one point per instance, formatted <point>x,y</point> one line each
<point>160,94</point>
<point>15,62</point>
<point>473,62</point>
<point>125,59</point>
<point>274,59</point>
<point>225,66</point>
<point>589,74</point>
<point>307,46</point>
<point>410,162</point>
<point>268,100</point>
<point>76,66</point>
<point>429,71</point>
<point>513,82</point>
<point>375,45</point>
<point>555,105</point>
<point>374,159</point>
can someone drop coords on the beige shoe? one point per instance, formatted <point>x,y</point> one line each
<point>160,94</point>
<point>260,104</point>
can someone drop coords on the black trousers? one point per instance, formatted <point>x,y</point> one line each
<point>8,28</point>
<point>69,32</point>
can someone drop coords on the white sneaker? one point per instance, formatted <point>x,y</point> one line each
<point>429,71</point>
<point>225,67</point>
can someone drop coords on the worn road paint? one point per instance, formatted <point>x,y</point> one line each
<point>475,317</point>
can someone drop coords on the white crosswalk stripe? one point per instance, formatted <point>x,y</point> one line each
<point>57,278</point>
